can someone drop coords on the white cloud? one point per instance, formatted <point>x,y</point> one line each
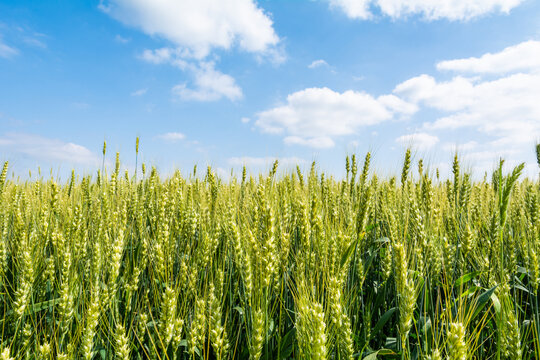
<point>32,41</point>
<point>451,95</point>
<point>42,148</point>
<point>499,110</point>
<point>245,120</point>
<point>314,116</point>
<point>195,29</point>
<point>172,136</point>
<point>420,140</point>
<point>7,51</point>
<point>521,57</point>
<point>264,161</point>
<point>320,142</point>
<point>168,55</point>
<point>121,39</point>
<point>139,92</point>
<point>210,85</point>
<point>468,146</point>
<point>503,110</point>
<point>397,105</point>
<point>157,56</point>
<point>317,63</point>
<point>428,9</point>
<point>505,107</point>
<point>354,9</point>
<point>199,25</point>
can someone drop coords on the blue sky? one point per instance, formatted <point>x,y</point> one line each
<point>227,83</point>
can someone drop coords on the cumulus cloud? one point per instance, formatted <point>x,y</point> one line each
<point>195,29</point>
<point>428,9</point>
<point>521,57</point>
<point>498,109</point>
<point>172,136</point>
<point>314,116</point>
<point>420,140</point>
<point>503,108</point>
<point>201,25</point>
<point>210,85</point>
<point>446,95</point>
<point>42,148</point>
<point>354,9</point>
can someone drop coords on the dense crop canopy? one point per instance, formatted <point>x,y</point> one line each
<point>297,265</point>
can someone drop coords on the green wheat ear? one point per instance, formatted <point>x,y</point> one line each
<point>406,167</point>
<point>3,176</point>
<point>538,154</point>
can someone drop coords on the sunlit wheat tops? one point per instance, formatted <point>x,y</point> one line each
<point>280,265</point>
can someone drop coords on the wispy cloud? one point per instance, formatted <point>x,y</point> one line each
<point>42,148</point>
<point>32,41</point>
<point>20,38</point>
<point>171,136</point>
<point>7,51</point>
<point>139,92</point>
<point>317,63</point>
<point>121,39</point>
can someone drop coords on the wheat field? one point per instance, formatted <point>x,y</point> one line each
<point>279,266</point>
